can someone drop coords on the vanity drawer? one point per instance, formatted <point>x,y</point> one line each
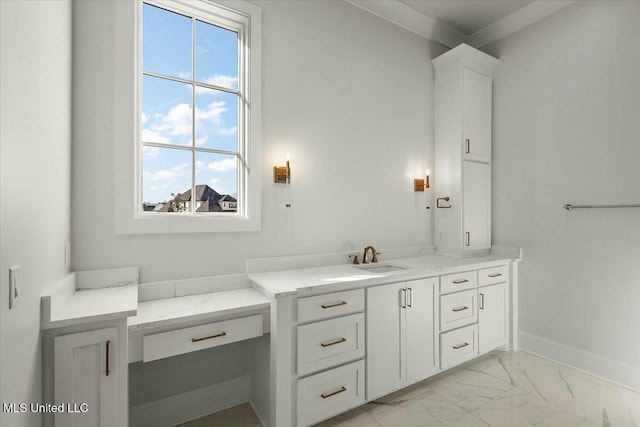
<point>458,282</point>
<point>185,340</point>
<point>458,309</point>
<point>328,343</point>
<point>330,305</point>
<point>327,394</point>
<point>458,346</point>
<point>489,276</point>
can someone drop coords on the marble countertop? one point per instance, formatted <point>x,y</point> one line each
<point>178,310</point>
<point>91,296</point>
<point>90,305</point>
<point>349,276</point>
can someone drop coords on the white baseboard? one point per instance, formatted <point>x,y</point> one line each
<point>192,404</point>
<point>619,373</point>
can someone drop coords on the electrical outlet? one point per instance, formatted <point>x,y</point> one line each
<point>14,286</point>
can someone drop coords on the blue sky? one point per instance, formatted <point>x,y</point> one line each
<point>167,110</point>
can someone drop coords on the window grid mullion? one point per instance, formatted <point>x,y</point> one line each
<point>190,81</point>
<point>193,116</point>
<point>187,148</point>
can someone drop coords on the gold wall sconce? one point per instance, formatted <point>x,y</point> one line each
<point>420,184</point>
<point>282,174</point>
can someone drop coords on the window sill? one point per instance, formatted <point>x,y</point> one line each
<point>185,223</point>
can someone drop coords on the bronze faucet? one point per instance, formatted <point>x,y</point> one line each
<point>365,260</point>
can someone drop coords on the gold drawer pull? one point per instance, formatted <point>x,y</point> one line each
<point>459,346</point>
<point>464,307</point>
<point>340,390</point>
<point>328,344</point>
<point>460,281</point>
<point>495,275</point>
<point>221,334</point>
<point>334,305</point>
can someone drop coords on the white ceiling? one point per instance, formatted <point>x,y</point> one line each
<point>467,16</point>
<point>451,22</point>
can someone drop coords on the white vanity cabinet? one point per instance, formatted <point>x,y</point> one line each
<point>330,348</point>
<point>463,151</point>
<point>493,308</point>
<point>401,345</point>
<point>85,374</point>
<point>84,348</point>
<point>473,313</point>
<point>343,339</point>
<point>86,369</point>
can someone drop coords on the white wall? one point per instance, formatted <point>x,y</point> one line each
<point>567,130</point>
<point>35,152</point>
<point>348,94</point>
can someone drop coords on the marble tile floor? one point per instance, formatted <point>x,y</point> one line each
<point>498,389</point>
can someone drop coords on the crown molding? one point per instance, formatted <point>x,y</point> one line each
<point>516,21</point>
<point>402,15</point>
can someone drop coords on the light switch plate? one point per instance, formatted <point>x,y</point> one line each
<point>14,286</point>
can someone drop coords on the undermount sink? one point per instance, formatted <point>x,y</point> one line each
<point>380,268</point>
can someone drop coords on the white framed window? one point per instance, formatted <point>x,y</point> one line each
<point>188,147</point>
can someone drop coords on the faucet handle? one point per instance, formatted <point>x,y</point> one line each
<point>355,259</point>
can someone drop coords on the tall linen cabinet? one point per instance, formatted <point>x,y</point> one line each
<point>463,102</point>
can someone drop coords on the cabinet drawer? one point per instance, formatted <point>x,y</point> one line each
<point>458,309</point>
<point>330,305</point>
<point>185,340</point>
<point>458,282</point>
<point>329,343</point>
<point>489,276</point>
<point>327,394</point>
<point>458,346</point>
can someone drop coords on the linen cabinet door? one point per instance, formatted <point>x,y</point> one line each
<point>385,320</point>
<point>421,329</point>
<point>477,206</point>
<point>492,317</point>
<point>476,116</point>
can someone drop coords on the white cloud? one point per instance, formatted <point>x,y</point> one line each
<point>177,123</point>
<point>214,181</point>
<point>144,118</point>
<point>213,112</point>
<point>149,135</point>
<point>225,165</point>
<point>227,131</point>
<point>223,80</point>
<point>168,175</point>
<point>178,120</point>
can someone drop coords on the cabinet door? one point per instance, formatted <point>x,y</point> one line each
<point>492,317</point>
<point>476,116</point>
<point>85,372</point>
<point>477,206</point>
<point>420,329</point>
<point>385,341</point>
